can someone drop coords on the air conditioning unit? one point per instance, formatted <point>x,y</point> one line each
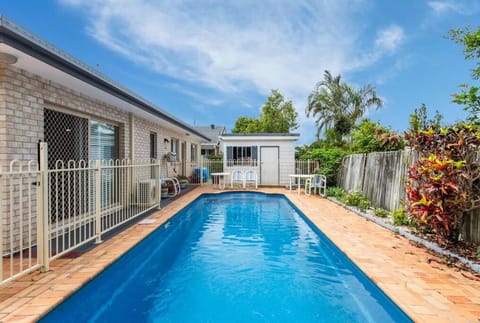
<point>146,192</point>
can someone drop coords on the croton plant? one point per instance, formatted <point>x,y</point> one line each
<point>444,181</point>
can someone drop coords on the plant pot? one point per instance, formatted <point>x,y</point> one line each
<point>164,192</point>
<point>183,184</point>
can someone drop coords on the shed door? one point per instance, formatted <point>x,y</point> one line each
<point>269,171</point>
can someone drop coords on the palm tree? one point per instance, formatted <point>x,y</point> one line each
<point>337,105</point>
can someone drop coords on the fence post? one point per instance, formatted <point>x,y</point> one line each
<point>98,201</point>
<point>158,184</point>
<point>201,172</point>
<point>42,210</point>
<point>1,223</point>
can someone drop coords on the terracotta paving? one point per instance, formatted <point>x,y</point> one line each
<point>427,292</point>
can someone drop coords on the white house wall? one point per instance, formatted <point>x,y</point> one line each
<point>286,155</point>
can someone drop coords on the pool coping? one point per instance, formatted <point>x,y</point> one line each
<point>424,289</point>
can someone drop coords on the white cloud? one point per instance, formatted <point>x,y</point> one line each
<point>443,7</point>
<point>390,38</point>
<point>238,46</point>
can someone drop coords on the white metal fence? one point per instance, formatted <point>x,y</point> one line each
<point>18,212</point>
<point>48,212</point>
<point>201,170</point>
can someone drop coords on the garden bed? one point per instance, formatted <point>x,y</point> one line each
<point>462,255</point>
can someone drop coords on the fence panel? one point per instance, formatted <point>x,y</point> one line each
<point>383,182</point>
<point>352,172</point>
<point>18,216</point>
<point>201,171</point>
<point>471,227</point>
<point>381,178</point>
<point>88,199</point>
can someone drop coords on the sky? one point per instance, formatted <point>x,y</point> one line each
<point>212,61</point>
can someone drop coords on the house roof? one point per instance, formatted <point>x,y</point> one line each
<point>42,58</point>
<point>212,131</point>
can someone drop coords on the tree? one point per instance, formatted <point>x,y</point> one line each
<point>337,105</point>
<point>469,96</point>
<point>419,120</point>
<point>278,116</point>
<point>246,125</point>
<point>370,136</point>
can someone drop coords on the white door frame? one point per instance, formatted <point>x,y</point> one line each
<point>262,168</point>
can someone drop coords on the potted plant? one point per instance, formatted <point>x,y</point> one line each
<point>164,190</point>
<point>183,180</point>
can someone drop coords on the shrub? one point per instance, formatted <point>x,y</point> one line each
<point>400,217</point>
<point>363,205</point>
<point>443,184</point>
<point>356,199</point>
<point>380,212</point>
<point>478,253</point>
<point>329,159</point>
<point>369,136</point>
<point>335,191</point>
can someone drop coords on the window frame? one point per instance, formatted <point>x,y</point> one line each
<point>193,152</point>
<point>242,155</point>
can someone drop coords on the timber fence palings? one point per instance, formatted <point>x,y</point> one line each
<point>381,177</point>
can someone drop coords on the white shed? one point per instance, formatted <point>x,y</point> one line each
<point>271,155</point>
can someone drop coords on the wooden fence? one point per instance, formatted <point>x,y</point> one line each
<point>381,176</point>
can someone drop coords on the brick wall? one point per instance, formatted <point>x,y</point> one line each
<point>23,98</point>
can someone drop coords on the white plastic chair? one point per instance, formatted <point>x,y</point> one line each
<point>318,182</point>
<point>251,177</point>
<point>237,177</point>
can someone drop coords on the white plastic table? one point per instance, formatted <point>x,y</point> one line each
<point>224,175</point>
<point>299,177</point>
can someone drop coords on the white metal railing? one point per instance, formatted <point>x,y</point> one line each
<point>18,216</point>
<point>202,169</point>
<point>46,213</point>
<point>306,167</point>
<point>92,198</point>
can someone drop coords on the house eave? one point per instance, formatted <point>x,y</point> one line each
<point>23,41</point>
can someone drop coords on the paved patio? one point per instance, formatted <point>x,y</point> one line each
<point>427,292</point>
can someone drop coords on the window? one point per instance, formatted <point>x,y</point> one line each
<point>103,141</point>
<point>103,146</point>
<point>174,146</point>
<point>153,145</point>
<point>242,155</point>
<point>193,153</point>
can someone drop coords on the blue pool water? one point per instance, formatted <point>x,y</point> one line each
<point>233,257</point>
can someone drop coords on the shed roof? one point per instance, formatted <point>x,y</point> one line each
<point>260,136</point>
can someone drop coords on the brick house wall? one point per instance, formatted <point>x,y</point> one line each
<point>23,98</point>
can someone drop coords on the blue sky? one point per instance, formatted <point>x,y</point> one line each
<point>213,61</point>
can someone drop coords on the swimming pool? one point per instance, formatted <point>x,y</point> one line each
<point>232,257</point>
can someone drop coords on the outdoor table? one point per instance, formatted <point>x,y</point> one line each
<point>224,175</point>
<point>299,177</point>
